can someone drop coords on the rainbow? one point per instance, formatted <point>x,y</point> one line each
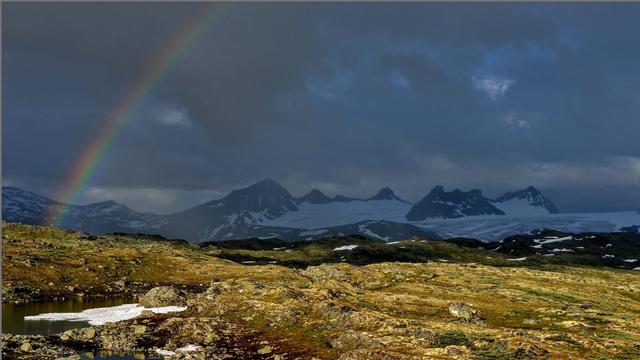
<point>86,164</point>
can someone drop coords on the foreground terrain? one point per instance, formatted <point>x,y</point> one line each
<point>331,300</point>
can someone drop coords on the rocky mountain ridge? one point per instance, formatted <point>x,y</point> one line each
<point>267,209</point>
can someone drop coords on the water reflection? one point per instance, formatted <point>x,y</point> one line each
<point>110,355</point>
<point>13,315</point>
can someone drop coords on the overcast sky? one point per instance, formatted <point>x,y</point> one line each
<point>345,98</point>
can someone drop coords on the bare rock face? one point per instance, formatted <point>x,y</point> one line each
<point>162,296</point>
<point>464,312</point>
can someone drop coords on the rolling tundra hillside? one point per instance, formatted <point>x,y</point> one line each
<point>334,298</point>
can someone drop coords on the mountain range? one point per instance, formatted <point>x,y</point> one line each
<point>266,209</point>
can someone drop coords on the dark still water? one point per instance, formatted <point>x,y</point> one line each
<point>13,315</point>
<point>107,355</point>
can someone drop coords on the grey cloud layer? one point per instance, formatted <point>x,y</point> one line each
<point>348,97</point>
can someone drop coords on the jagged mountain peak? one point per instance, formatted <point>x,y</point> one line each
<point>267,203</point>
<point>12,192</point>
<point>314,196</point>
<point>23,206</point>
<point>528,190</point>
<point>518,201</point>
<point>249,205</point>
<point>438,191</point>
<point>452,204</point>
<point>386,194</point>
<point>264,187</point>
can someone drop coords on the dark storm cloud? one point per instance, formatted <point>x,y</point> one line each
<point>347,98</point>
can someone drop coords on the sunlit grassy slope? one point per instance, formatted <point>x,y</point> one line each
<point>382,309</point>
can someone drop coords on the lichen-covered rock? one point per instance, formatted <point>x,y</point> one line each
<point>162,296</point>
<point>326,272</point>
<point>89,333</point>
<point>351,339</point>
<point>26,346</point>
<point>216,288</point>
<point>139,329</point>
<point>121,284</point>
<point>32,347</point>
<point>464,312</point>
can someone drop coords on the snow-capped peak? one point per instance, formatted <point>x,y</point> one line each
<point>266,195</point>
<point>529,201</point>
<point>452,204</point>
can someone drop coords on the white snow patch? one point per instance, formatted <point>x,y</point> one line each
<point>497,227</point>
<point>100,316</point>
<point>608,256</point>
<point>552,239</point>
<point>562,250</point>
<point>314,216</point>
<point>520,207</point>
<point>630,260</point>
<point>345,247</point>
<point>518,259</point>
<point>189,347</point>
<point>164,352</point>
<point>363,229</point>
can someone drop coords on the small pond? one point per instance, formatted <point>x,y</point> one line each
<point>13,315</point>
<point>107,355</point>
<point>13,322</point>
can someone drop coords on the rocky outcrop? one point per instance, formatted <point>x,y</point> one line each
<point>19,292</point>
<point>464,312</point>
<point>34,347</point>
<point>162,296</point>
<point>452,204</point>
